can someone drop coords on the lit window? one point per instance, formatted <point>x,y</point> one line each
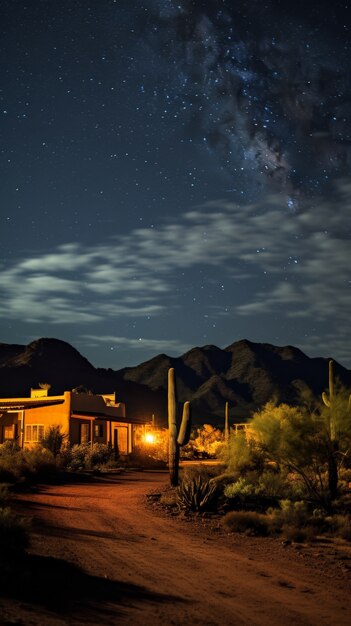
<point>99,430</point>
<point>84,433</point>
<point>8,432</point>
<point>34,432</point>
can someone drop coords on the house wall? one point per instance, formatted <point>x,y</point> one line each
<point>46,416</point>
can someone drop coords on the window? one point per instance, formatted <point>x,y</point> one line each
<point>99,430</point>
<point>34,432</point>
<point>84,433</point>
<point>8,432</point>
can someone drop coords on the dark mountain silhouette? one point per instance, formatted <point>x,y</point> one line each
<point>56,362</point>
<point>245,374</point>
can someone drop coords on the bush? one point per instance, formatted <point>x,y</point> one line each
<point>13,532</point>
<point>100,454</point>
<point>53,439</point>
<point>297,534</point>
<point>38,463</point>
<point>240,489</point>
<point>291,513</point>
<point>83,456</point>
<point>248,522</point>
<point>18,465</point>
<point>341,526</point>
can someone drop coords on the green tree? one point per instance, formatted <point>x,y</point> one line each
<point>299,440</point>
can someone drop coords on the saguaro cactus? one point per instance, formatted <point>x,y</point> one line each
<point>176,439</point>
<point>226,421</point>
<point>329,401</point>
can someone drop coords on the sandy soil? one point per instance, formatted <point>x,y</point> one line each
<point>104,553</point>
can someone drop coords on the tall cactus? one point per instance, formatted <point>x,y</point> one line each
<point>329,401</point>
<point>332,403</point>
<point>176,439</point>
<point>226,421</point>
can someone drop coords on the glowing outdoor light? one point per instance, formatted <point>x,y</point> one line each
<point>150,438</point>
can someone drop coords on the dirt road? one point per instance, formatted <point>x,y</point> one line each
<point>119,563</point>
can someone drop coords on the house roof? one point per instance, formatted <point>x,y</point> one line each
<point>27,403</point>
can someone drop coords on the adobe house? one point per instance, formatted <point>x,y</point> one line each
<point>83,417</point>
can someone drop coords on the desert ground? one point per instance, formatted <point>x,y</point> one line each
<point>102,552</point>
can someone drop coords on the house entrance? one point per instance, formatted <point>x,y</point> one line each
<point>120,439</point>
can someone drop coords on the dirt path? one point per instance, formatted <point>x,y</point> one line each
<point>119,563</point>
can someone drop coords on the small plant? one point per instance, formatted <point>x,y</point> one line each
<point>197,494</point>
<point>247,522</point>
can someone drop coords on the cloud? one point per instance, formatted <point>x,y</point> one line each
<point>274,262</point>
<point>141,343</point>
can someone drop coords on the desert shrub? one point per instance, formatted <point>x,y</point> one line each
<point>197,494</point>
<point>239,489</point>
<point>340,526</point>
<point>100,454</point>
<point>11,468</point>
<point>25,465</point>
<point>274,484</point>
<point>38,463</point>
<point>248,522</point>
<point>297,534</point>
<point>9,447</point>
<point>290,514</point>
<point>77,456</point>
<point>53,439</point>
<point>13,532</point>
<point>256,491</point>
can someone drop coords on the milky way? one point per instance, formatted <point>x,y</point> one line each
<point>268,87</point>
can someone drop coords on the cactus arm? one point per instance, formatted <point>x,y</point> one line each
<point>184,432</point>
<point>326,399</point>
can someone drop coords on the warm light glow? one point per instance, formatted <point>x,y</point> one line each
<point>150,438</point>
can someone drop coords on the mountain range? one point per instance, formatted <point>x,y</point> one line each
<point>245,374</point>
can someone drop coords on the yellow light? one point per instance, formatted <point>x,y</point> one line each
<point>149,438</point>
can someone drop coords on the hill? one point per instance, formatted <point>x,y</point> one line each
<point>245,374</point>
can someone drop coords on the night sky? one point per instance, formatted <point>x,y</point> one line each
<point>175,174</point>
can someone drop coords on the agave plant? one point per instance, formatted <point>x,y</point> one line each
<point>197,494</point>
